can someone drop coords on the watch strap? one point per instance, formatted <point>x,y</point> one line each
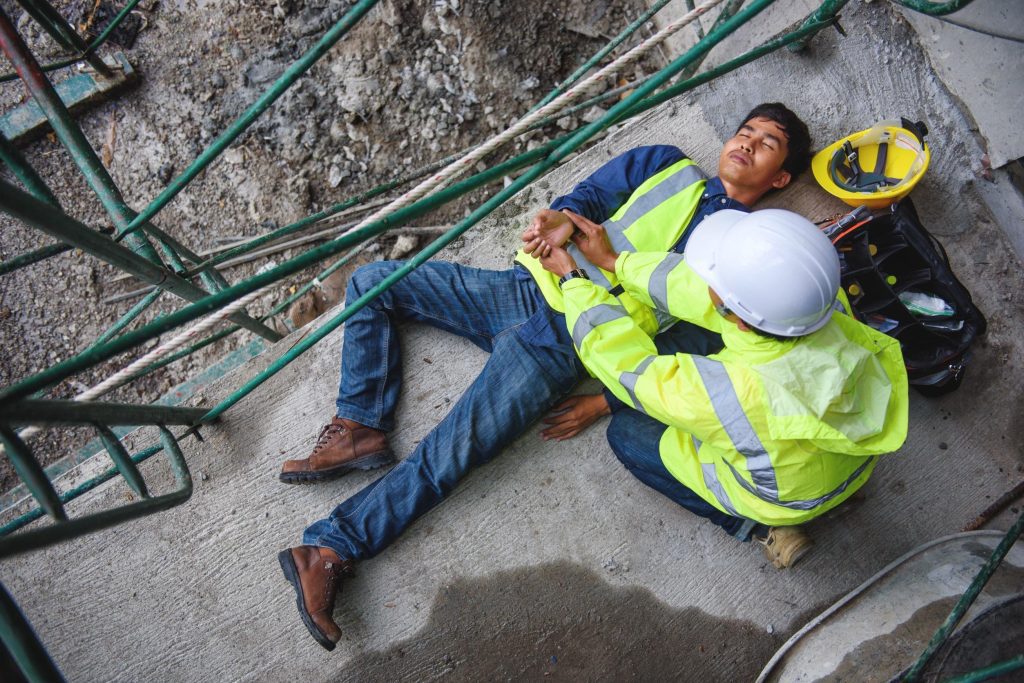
<point>573,274</point>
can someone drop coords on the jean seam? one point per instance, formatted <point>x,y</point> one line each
<point>387,371</point>
<point>468,330</point>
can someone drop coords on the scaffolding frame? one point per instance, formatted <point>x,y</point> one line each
<point>140,248</point>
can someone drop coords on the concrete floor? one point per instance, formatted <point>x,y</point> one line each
<point>552,560</point>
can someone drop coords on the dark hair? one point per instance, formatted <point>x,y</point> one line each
<point>769,335</point>
<point>798,144</point>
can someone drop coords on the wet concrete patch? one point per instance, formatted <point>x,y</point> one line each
<point>879,659</point>
<point>565,622</point>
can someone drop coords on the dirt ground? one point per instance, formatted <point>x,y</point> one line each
<point>414,82</point>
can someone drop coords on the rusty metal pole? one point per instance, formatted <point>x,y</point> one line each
<point>62,32</point>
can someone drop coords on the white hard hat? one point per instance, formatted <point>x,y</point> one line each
<point>774,269</point>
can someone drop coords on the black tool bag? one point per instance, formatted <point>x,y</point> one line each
<point>889,266</point>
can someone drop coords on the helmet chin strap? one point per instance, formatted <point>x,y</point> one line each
<point>845,168</point>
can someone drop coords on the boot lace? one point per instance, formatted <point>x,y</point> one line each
<point>326,436</point>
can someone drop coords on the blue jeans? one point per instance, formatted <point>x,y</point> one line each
<point>635,438</point>
<point>531,366</point>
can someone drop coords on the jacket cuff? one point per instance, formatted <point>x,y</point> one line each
<point>613,402</point>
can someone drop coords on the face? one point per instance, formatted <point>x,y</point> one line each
<point>724,311</point>
<point>752,159</point>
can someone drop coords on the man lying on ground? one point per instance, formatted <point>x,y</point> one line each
<point>648,199</point>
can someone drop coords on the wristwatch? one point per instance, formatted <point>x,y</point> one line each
<point>572,274</point>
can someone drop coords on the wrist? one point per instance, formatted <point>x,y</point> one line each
<point>572,275</point>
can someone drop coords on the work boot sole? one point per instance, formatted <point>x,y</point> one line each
<point>796,556</point>
<point>367,462</point>
<point>291,572</point>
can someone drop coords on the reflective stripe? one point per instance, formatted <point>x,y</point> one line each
<point>597,275</point>
<point>711,481</point>
<point>619,241</point>
<point>667,188</point>
<point>730,413</point>
<point>616,230</point>
<point>803,504</point>
<point>628,380</point>
<point>658,285</point>
<point>837,305</point>
<point>594,316</point>
<point>665,320</point>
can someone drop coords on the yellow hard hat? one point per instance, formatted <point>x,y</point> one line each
<point>896,153</point>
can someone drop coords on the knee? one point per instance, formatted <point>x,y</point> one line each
<point>367,277</point>
<point>636,440</point>
<point>618,435</point>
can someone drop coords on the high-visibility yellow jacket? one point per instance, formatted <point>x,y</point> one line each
<point>775,431</point>
<point>652,219</point>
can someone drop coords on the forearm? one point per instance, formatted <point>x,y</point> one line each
<point>602,193</point>
<point>665,282</point>
<point>607,339</point>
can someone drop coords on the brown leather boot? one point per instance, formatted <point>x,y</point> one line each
<point>342,446</point>
<point>315,573</point>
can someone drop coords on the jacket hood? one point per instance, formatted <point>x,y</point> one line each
<point>843,388</point>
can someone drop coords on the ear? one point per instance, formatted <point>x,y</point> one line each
<point>782,179</point>
<point>742,325</point>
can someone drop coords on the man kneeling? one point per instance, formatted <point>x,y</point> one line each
<point>784,422</point>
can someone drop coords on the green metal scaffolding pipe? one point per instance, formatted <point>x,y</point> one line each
<point>39,538</point>
<point>426,170</point>
<point>93,46</point>
<point>212,302</point>
<point>565,149</point>
<point>31,473</point>
<point>128,317</point>
<point>966,600</point>
<point>802,33</point>
<point>278,88</point>
<point>641,106</point>
<point>298,225</point>
<point>54,222</point>
<point>37,187</point>
<point>935,9</point>
<point>20,639</point>
<point>95,173</point>
<point>122,460</point>
<point>68,132</point>
<point>601,54</point>
<point>279,308</point>
<point>24,172</point>
<point>990,672</point>
<point>36,411</point>
<point>257,242</point>
<point>59,29</point>
<point>34,256</point>
<point>86,486</point>
<point>728,9</point>
<point>90,357</point>
<point>826,11</point>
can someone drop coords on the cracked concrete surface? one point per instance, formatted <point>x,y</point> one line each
<point>551,560</point>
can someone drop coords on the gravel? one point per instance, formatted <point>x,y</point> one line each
<point>412,83</point>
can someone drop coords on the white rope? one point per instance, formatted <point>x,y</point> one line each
<point>153,356</point>
<point>441,178</point>
<point>467,161</point>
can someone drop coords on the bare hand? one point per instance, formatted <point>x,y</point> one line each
<point>558,260</point>
<point>573,415</point>
<point>592,240</point>
<point>548,229</point>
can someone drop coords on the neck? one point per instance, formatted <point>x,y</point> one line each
<point>747,196</point>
